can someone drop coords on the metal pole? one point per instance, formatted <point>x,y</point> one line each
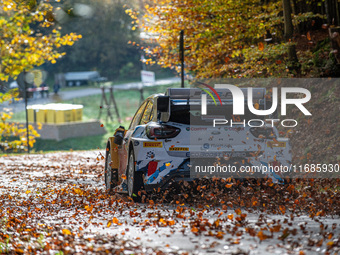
<point>143,63</point>
<point>181,48</point>
<point>27,131</point>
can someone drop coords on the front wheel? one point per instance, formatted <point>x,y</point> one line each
<point>135,179</point>
<point>111,175</point>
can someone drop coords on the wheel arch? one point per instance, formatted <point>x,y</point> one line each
<point>131,147</point>
<point>108,143</point>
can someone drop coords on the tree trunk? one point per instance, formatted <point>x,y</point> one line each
<point>292,53</point>
<point>329,19</point>
<point>332,12</point>
<point>288,23</point>
<point>334,34</point>
<point>337,13</point>
<point>293,64</point>
<point>294,10</point>
<point>294,7</point>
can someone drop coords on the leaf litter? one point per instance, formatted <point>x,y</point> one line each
<point>57,203</point>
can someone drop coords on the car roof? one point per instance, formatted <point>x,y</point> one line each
<point>195,93</point>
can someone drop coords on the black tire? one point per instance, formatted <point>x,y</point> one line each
<point>134,179</point>
<point>111,175</point>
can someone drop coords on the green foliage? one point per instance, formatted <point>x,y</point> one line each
<point>319,61</point>
<point>41,241</point>
<point>4,247</point>
<point>104,46</point>
<point>127,71</point>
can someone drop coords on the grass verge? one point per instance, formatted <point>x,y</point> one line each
<point>127,100</point>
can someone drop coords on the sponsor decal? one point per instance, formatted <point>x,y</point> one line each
<point>226,155</point>
<point>206,146</point>
<point>272,144</point>
<point>150,154</point>
<point>152,144</point>
<point>212,117</point>
<point>198,129</point>
<point>220,146</point>
<point>178,149</point>
<point>234,129</point>
<point>215,132</point>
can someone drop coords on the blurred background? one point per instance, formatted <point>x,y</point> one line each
<point>91,59</point>
<point>108,54</point>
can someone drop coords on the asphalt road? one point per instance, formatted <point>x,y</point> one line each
<point>62,192</point>
<point>70,94</point>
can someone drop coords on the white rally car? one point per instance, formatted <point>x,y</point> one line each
<point>168,135</point>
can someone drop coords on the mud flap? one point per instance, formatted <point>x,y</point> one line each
<point>115,142</point>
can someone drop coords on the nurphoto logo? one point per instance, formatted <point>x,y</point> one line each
<point>238,99</point>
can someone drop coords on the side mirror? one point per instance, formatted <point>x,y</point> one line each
<point>163,103</point>
<point>119,135</point>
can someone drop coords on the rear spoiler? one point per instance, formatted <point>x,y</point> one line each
<point>224,94</point>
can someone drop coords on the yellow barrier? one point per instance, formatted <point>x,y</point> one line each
<point>30,115</point>
<point>77,113</point>
<point>55,113</point>
<point>40,115</point>
<point>50,116</point>
<point>64,115</point>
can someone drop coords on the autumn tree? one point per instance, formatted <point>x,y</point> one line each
<point>242,38</point>
<point>29,36</point>
<point>13,135</point>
